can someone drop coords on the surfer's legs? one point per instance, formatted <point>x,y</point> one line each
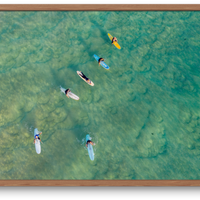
<point>83,76</point>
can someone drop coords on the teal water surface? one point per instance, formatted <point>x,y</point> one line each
<point>143,113</point>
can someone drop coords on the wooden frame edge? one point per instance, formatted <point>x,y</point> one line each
<point>99,7</point>
<point>99,182</point>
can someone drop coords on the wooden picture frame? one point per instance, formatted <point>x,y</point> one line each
<point>99,7</point>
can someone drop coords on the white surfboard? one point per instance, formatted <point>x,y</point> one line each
<point>37,142</point>
<point>70,94</point>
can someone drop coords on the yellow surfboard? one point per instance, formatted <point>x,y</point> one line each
<point>115,43</point>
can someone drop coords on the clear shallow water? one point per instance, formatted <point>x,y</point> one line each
<point>143,113</point>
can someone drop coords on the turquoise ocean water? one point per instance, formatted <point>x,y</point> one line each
<point>143,113</point>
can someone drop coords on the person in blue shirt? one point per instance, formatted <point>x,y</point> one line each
<point>37,137</point>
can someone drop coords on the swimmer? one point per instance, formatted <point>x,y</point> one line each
<point>37,137</point>
<point>89,142</point>
<point>114,40</point>
<point>100,59</point>
<point>67,91</point>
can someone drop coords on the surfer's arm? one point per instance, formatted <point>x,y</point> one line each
<point>40,133</point>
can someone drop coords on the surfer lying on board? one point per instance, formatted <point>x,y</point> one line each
<point>89,142</point>
<point>100,59</point>
<point>66,92</point>
<point>37,137</point>
<point>85,78</point>
<point>114,40</point>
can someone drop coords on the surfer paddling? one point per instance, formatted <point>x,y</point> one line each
<point>85,78</point>
<point>99,61</point>
<point>89,142</point>
<point>114,40</point>
<point>37,137</point>
<point>66,92</point>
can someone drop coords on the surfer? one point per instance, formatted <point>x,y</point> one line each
<point>100,59</point>
<point>37,137</point>
<point>85,78</point>
<point>89,142</point>
<point>114,40</point>
<point>67,91</point>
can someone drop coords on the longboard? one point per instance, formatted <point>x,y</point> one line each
<point>90,148</point>
<point>103,64</point>
<point>70,94</point>
<point>115,43</point>
<point>37,142</point>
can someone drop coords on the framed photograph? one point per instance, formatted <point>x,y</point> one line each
<point>99,95</point>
